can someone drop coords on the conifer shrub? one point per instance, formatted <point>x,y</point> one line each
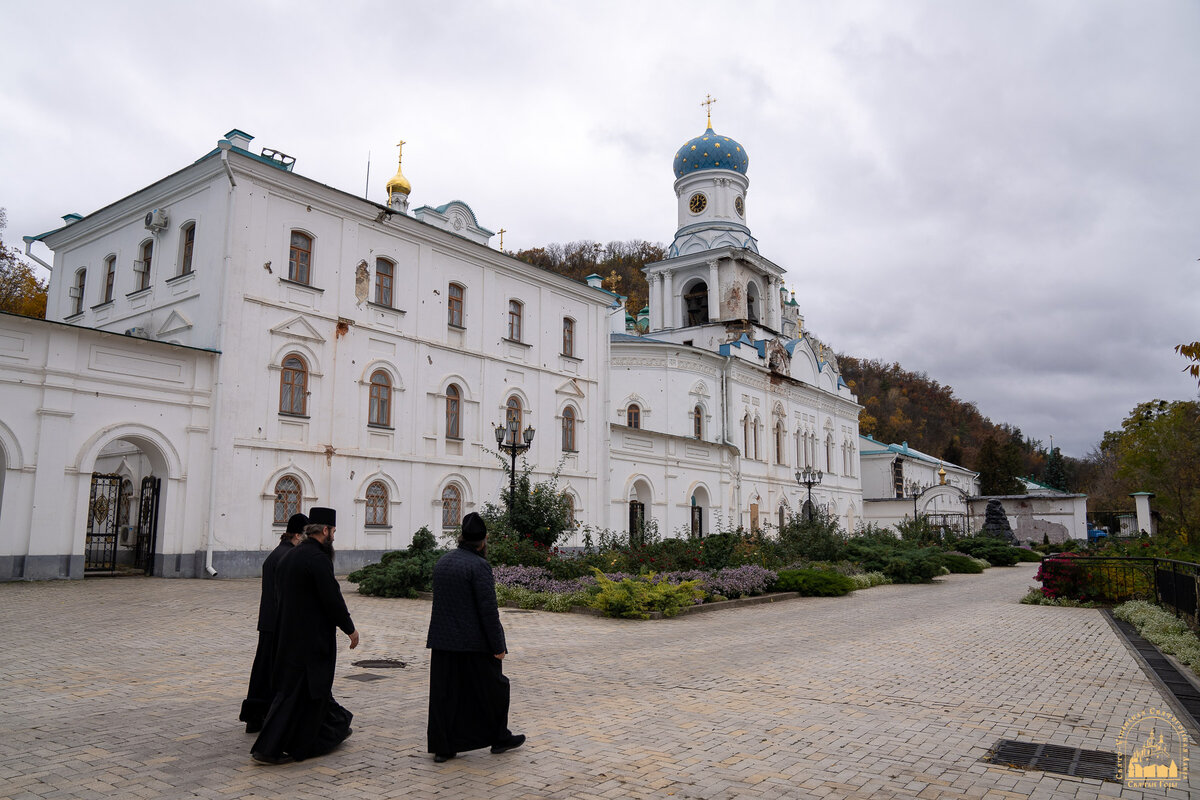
<point>635,598</point>
<point>401,573</point>
<point>814,583</point>
<point>961,564</point>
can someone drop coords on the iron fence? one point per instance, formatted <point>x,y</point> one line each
<point>1172,584</point>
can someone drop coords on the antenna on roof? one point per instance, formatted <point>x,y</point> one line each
<point>367,187</point>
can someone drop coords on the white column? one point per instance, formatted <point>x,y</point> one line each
<point>1141,502</point>
<point>655,302</point>
<point>668,300</point>
<point>714,293</point>
<point>773,304</point>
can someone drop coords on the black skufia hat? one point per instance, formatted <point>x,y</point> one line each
<point>318,515</point>
<point>473,529</point>
<point>296,523</point>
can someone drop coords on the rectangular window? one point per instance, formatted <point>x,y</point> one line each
<point>568,337</point>
<point>384,272</point>
<point>189,241</point>
<point>514,320</point>
<point>147,257</point>
<point>110,277</point>
<point>454,306</point>
<point>299,257</point>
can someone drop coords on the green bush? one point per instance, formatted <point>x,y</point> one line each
<point>865,580</point>
<point>814,583</point>
<point>888,555</point>
<point>1171,635</point>
<point>1028,556</point>
<point>818,538</point>
<point>520,597</point>
<point>636,598</point>
<point>963,565</point>
<point>400,573</point>
<point>994,551</point>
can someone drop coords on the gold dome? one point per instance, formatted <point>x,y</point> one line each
<point>399,184</point>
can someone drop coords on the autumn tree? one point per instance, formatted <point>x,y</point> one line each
<point>619,263</point>
<point>1192,353</point>
<point>21,291</point>
<point>1158,450</point>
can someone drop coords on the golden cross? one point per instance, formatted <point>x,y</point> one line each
<point>400,151</point>
<point>502,232</point>
<point>708,101</point>
<point>614,279</point>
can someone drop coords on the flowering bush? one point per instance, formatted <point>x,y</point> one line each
<point>743,581</point>
<point>1171,635</point>
<point>1062,576</point>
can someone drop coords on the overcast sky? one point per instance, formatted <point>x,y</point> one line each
<point>1003,195</point>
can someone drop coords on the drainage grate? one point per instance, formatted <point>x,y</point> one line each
<point>1155,662</point>
<point>1055,758</point>
<point>364,677</point>
<point>381,663</point>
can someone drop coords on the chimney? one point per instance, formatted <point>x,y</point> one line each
<point>239,139</point>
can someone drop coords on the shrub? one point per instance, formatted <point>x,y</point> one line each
<point>962,564</point>
<point>1171,635</point>
<point>901,564</point>
<point>989,548</point>
<point>919,531</point>
<point>743,581</point>
<point>1035,597</point>
<point>814,583</point>
<point>1028,556</point>
<point>865,580</point>
<point>400,573</point>
<point>819,537</point>
<point>636,598</point>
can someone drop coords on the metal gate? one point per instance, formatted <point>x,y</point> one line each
<point>147,525</point>
<point>100,548</point>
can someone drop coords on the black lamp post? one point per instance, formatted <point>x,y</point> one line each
<point>513,447</point>
<point>916,493</point>
<point>808,477</point>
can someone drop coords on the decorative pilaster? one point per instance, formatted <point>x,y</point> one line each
<point>714,292</point>
<point>668,300</point>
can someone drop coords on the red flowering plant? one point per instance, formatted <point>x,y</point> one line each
<point>1062,575</point>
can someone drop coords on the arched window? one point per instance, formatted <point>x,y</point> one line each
<point>453,412</point>
<point>752,302</point>
<point>696,303</point>
<point>568,337</point>
<point>569,505</point>
<point>287,499</point>
<point>110,277</point>
<point>451,506</point>
<point>829,452</point>
<point>698,422</point>
<point>142,265</point>
<point>377,504</point>
<point>385,271</point>
<point>754,431</point>
<point>568,430</point>
<point>188,242</point>
<point>746,436</point>
<point>380,409</point>
<point>515,311</point>
<point>454,305</point>
<point>300,258</point>
<point>633,415</point>
<point>513,412</point>
<point>293,386</point>
<point>779,443</point>
<point>78,290</point>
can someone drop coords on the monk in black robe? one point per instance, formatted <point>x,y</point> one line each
<point>259,694</point>
<point>468,692</point>
<point>304,720</point>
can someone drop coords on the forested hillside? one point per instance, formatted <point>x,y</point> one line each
<point>900,406</point>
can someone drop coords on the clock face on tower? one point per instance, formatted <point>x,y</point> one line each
<point>697,203</point>
<point>739,205</point>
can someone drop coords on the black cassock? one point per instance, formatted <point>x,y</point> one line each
<point>304,720</point>
<point>468,692</point>
<point>258,696</point>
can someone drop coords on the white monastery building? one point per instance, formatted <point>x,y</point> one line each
<point>237,342</point>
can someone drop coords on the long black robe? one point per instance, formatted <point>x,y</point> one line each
<point>259,694</point>
<point>468,692</point>
<point>304,720</point>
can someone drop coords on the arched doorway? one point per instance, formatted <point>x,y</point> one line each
<point>699,507</point>
<point>639,499</point>
<point>695,303</point>
<point>123,533</point>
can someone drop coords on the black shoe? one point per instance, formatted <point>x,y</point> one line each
<point>511,743</point>
<point>255,726</point>
<point>263,758</point>
<point>441,758</point>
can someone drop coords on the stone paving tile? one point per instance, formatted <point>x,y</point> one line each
<point>131,688</point>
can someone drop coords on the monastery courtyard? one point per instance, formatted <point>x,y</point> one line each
<point>130,688</point>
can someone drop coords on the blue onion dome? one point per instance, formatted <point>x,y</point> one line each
<point>710,151</point>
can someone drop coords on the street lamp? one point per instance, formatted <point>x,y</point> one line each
<point>916,492</point>
<point>513,447</point>
<point>808,477</point>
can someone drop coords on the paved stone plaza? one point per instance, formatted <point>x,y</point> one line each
<point>130,688</point>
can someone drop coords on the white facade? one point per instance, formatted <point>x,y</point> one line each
<point>276,314</point>
<point>725,398</point>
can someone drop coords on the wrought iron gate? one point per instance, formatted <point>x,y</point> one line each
<point>100,548</point>
<point>147,525</point>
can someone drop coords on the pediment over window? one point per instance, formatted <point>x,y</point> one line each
<point>570,389</point>
<point>175,323</point>
<point>298,328</point>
